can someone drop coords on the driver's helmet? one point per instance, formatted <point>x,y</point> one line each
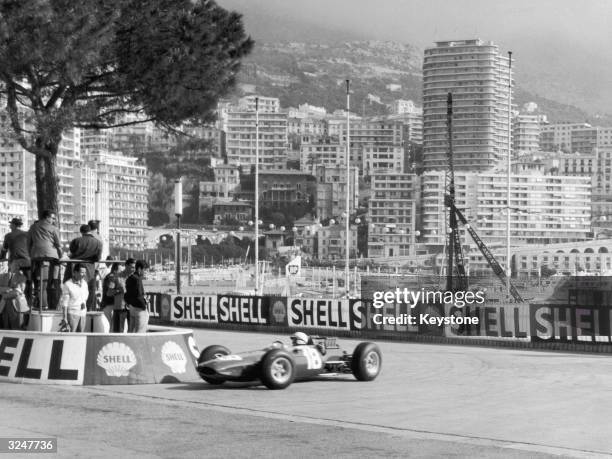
<point>299,338</point>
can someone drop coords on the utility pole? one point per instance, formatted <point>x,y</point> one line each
<point>347,278</point>
<point>256,195</point>
<point>178,210</point>
<point>508,176</point>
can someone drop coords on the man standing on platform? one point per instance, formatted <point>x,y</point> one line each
<point>88,249</point>
<point>135,298</point>
<point>45,251</point>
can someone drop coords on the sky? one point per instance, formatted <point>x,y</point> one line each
<point>422,22</point>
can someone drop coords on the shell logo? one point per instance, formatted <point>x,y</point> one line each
<point>193,347</point>
<point>174,357</point>
<point>116,359</point>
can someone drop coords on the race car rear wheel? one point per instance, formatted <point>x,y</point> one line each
<point>209,353</point>
<point>366,362</point>
<point>277,369</point>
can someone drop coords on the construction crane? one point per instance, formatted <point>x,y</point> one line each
<point>455,260</point>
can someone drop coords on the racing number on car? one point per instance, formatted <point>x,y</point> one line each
<point>313,358</point>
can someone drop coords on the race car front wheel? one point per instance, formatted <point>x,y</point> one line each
<point>366,362</point>
<point>277,369</point>
<point>210,353</point>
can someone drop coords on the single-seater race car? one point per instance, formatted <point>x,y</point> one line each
<point>278,365</point>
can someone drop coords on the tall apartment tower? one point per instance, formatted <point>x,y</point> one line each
<point>477,75</point>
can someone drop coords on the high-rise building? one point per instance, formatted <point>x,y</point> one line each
<point>477,75</point>
<point>526,133</point>
<point>18,179</point>
<point>126,184</point>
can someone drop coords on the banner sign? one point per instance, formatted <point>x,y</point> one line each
<point>571,323</point>
<point>278,311</point>
<point>251,310</point>
<point>193,308</point>
<point>132,359</point>
<point>326,313</point>
<point>494,322</point>
<point>154,304</point>
<point>57,359</point>
<point>229,309</point>
<point>81,359</point>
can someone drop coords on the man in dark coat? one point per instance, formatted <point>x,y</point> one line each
<point>45,252</point>
<point>88,249</point>
<point>16,245</point>
<point>136,300</point>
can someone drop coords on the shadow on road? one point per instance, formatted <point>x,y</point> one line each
<point>192,386</point>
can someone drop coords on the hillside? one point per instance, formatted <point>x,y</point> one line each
<point>380,72</point>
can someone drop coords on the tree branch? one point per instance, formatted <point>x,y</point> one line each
<point>107,126</point>
<point>13,112</point>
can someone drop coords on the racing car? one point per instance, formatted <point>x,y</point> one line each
<point>278,365</point>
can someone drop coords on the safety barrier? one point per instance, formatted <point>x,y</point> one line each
<point>549,326</point>
<point>162,355</point>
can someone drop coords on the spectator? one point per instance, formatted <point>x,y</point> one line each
<point>112,296</point>
<point>45,251</point>
<point>136,300</point>
<point>74,297</point>
<point>123,314</point>
<point>16,244</point>
<point>13,304</point>
<point>88,249</point>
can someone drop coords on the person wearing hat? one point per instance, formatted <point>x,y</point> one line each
<point>16,245</point>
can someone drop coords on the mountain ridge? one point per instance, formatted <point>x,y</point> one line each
<point>314,72</point>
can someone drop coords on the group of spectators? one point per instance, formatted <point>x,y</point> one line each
<point>34,257</point>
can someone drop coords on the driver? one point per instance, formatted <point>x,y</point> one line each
<point>299,339</point>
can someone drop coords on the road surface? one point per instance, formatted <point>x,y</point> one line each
<point>429,401</point>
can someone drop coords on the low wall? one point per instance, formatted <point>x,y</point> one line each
<point>544,326</point>
<point>162,355</point>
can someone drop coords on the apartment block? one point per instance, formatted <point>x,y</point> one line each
<point>478,76</point>
<point>385,158</point>
<point>324,152</point>
<point>392,215</point>
<point>544,209</point>
<point>241,143</point>
<point>331,189</point>
<point>127,185</point>
<point>525,133</point>
<point>331,241</point>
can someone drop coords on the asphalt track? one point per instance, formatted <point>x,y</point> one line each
<point>429,401</point>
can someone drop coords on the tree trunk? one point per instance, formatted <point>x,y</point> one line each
<point>47,184</point>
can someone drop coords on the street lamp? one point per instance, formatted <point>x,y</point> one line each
<point>178,210</point>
